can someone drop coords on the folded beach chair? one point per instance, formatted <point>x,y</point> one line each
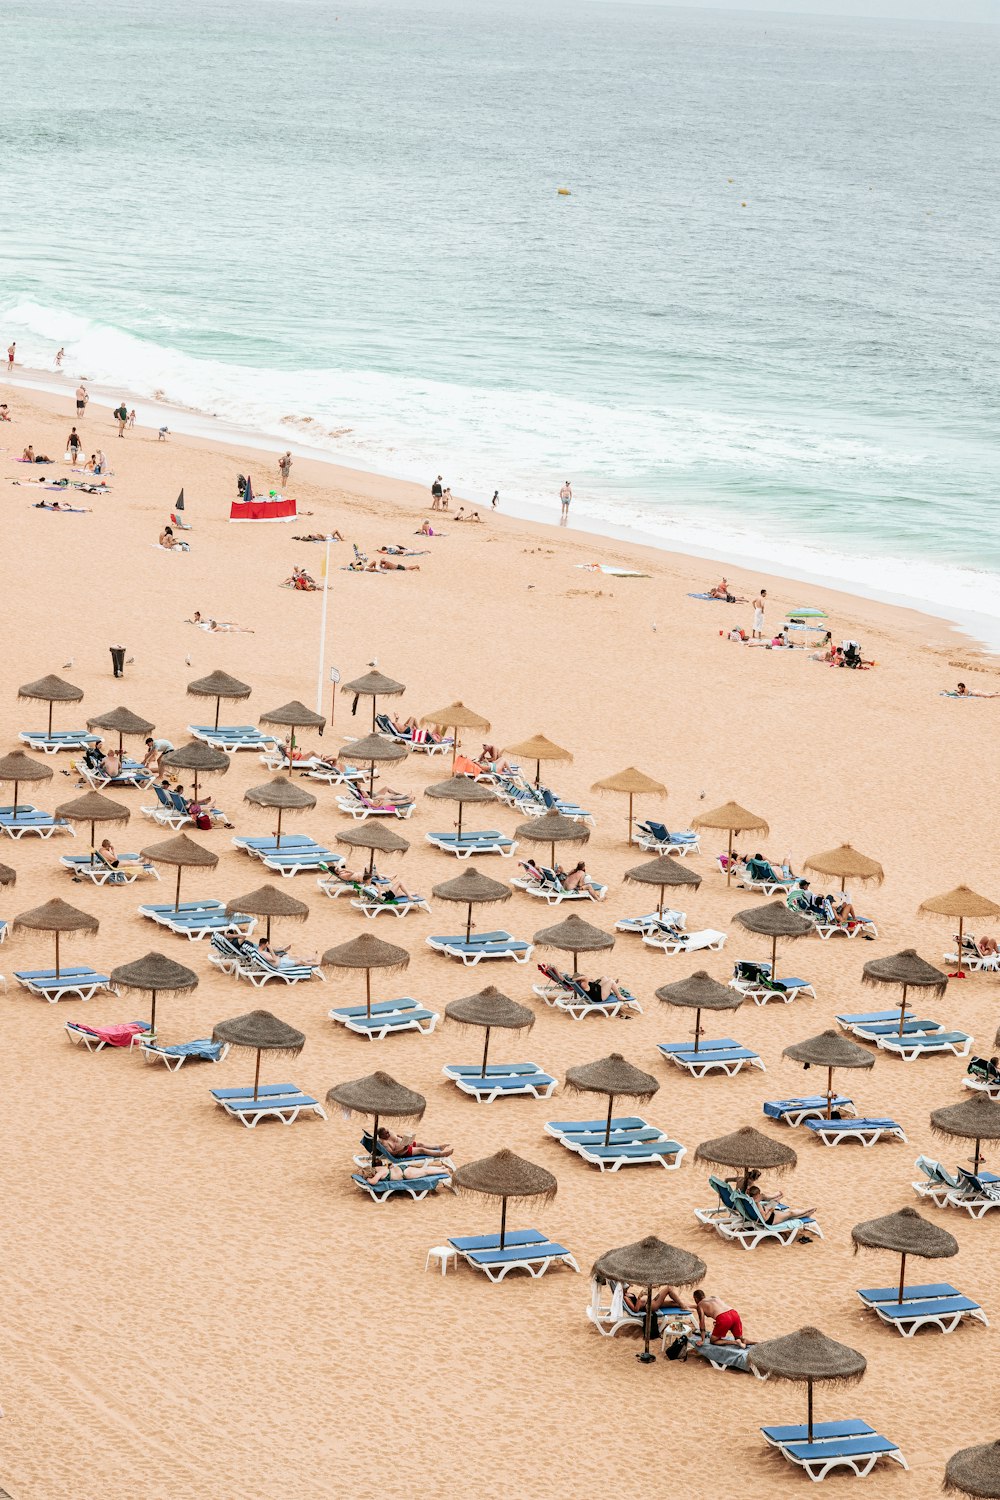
<point>651,921</point>
<point>59,739</point>
<point>760,875</point>
<point>407,1187</point>
<point>281,1101</point>
<point>658,839</point>
<point>500,1081</point>
<point>387,1017</point>
<point>754,980</point>
<point>673,941</point>
<point>359,805</point>
<point>371,901</point>
<point>937,1306</point>
<point>714,1054</point>
<point>233,737</point>
<point>859,1454</point>
<point>534,1256</point>
<point>866,1129</point>
<point>488,841</point>
<point>981,1074</point>
<point>749,1228</point>
<point>959,1043</point>
<point>15,823</point>
<point>481,946</point>
<point>813,1106</point>
<point>96,1038</point>
<point>100,872</point>
<point>298,861</point>
<point>201,1050</point>
<point>609,1312</point>
<point>83,982</point>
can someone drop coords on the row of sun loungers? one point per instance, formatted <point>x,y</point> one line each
<point>975,1192</point>
<point>95,868</point>
<point>631,1142</point>
<point>918,1037</point>
<point>233,737</point>
<point>718,1054</point>
<point>196,920</point>
<point>49,743</point>
<point>852,1445</point>
<point>937,1306</point>
<point>83,982</point>
<point>738,1218</point>
<point>417,740</point>
<point>15,822</point>
<point>500,1080</point>
<point>482,945</point>
<point>385,1018</point>
<point>523,1248</point>
<point>462,845</point>
<point>275,1101</point>
<point>296,854</point>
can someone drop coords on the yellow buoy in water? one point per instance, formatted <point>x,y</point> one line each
<point>564,192</point>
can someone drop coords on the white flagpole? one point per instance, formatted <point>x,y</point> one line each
<point>322,631</point>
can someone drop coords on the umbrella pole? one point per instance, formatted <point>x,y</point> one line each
<point>486,1052</point>
<point>729,863</point>
<point>50,720</point>
<point>92,856</point>
<point>660,912</point>
<point>57,955</point>
<point>829,1093</point>
<point>902,1011</point>
<point>454,752</point>
<point>645,1358</point>
<point>503,1223</point>
<point>468,923</point>
<point>809,1409</point>
<point>975,1160</point>
<point>375,1141</point>
<point>177,893</point>
<point>267,935</point>
<point>374,700</point>
<point>121,745</point>
<point>697,1028</point>
<point>630,817</point>
<point>607,1126</point>
<point>256,1077</point>
<point>217,702</point>
<point>460,820</point>
<point>368,992</point>
<point>961,929</point>
<point>277,842</point>
<point>538,764</point>
<point>152,1012</point>
<point>902,1274</point>
<point>371,781</point>
<point>774,960</point>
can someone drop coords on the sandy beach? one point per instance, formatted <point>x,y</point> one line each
<point>192,1307</point>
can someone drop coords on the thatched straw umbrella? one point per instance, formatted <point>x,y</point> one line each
<point>282,795</point>
<point>198,758</point>
<point>538,748</point>
<point>905,970</point>
<point>93,808</point>
<point>700,992</point>
<point>615,1077</point>
<point>51,690</point>
<point>575,936</point>
<point>463,790</point>
<point>375,837</point>
<point>976,1119</point>
<point>774,921</point>
<point>829,1050</point>
<point>292,716</point>
<point>57,917</point>
<point>905,1233</point>
<point>259,1031</point>
<point>750,1150</point>
<point>472,889</point>
<point>631,783</point>
<point>366,952</point>
<point>184,853</point>
<point>489,1009</point>
<point>974,1471</point>
<point>961,903</point>
<point>807,1356</point>
<point>846,864</point>
<point>732,818</point>
<point>456,717</point>
<point>374,749</point>
<point>661,873</point>
<point>19,767</point>
<point>122,722</point>
<point>219,685</point>
<point>155,973</point>
<point>8,875</point>
<point>553,828</point>
<point>649,1263</point>
<point>379,1095</point>
<point>505,1176</point>
<point>268,902</point>
<point>373,685</point>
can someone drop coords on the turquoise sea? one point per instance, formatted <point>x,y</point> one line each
<point>764,321</point>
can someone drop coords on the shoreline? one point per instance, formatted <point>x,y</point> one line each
<point>196,428</point>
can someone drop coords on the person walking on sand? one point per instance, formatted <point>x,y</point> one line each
<point>565,496</point>
<point>437,490</point>
<point>758,615</point>
<point>59,358</point>
<point>73,444</point>
<point>81,399</point>
<point>285,466</point>
<point>11,348</point>
<point>121,413</point>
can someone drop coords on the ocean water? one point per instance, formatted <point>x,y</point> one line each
<point>763,322</point>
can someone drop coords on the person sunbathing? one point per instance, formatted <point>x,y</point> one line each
<point>108,854</point>
<point>204,814</point>
<point>381,565</point>
<point>767,1205</point>
<point>492,758</point>
<point>317,536</point>
<point>391,892</point>
<point>961,691</point>
<point>171,543</point>
<point>408,1145</point>
<point>531,870</point>
<point>600,990</point>
<point>579,880</point>
<point>727,1325</point>
<point>68,510</point>
<point>425,528</point>
<point>112,764</point>
<point>275,956</point>
<point>389,1172</point>
<point>637,1299</point>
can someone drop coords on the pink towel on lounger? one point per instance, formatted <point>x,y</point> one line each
<point>116,1036</point>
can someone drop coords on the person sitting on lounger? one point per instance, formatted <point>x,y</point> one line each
<point>769,1211</point>
<point>491,757</point>
<point>205,816</point>
<point>578,880</point>
<point>601,989</point>
<point>532,870</point>
<point>986,947</point>
<point>93,758</point>
<point>112,764</point>
<point>391,892</point>
<point>637,1299</point>
<point>389,1172</point>
<point>727,1325</point>
<point>408,1145</point>
<point>275,956</point>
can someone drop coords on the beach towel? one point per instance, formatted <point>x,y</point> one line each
<point>715,598</point>
<point>611,571</point>
<point>116,1036</point>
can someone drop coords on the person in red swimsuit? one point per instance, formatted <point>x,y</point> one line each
<point>727,1325</point>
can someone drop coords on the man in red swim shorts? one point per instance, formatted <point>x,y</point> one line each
<point>727,1326</point>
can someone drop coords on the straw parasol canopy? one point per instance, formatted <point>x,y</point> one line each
<point>553,828</point>
<point>961,903</point>
<point>463,790</point>
<point>905,1233</point>
<point>575,936</point>
<point>268,902</point>
<point>155,973</point>
<point>93,808</point>
<point>733,819</point>
<point>259,1031</point>
<point>846,864</point>
<point>505,1176</point>
<point>122,722</point>
<point>975,1471</point>
<point>472,889</point>
<point>373,685</point>
<point>198,758</point>
<point>282,795</point>
<point>538,748</point>
<point>631,783</point>
<point>648,1263</point>
<point>661,873</point>
<point>615,1077</point>
<point>8,875</point>
<point>379,1095</point>
<point>749,1149</point>
<point>906,970</point>
<point>19,767</point>
<point>369,751</point>
<point>51,690</point>
<point>219,685</point>
<point>456,717</point>
<point>292,716</point>
<point>488,1009</point>
<point>700,992</point>
<point>829,1050</point>
<point>976,1119</point>
<point>774,921</point>
<point>377,838</point>
<point>366,952</point>
<point>807,1356</point>
<point>57,917</point>
<point>185,854</point>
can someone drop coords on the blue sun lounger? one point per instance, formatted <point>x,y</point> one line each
<point>535,1255</point>
<point>47,985</point>
<point>958,1043</point>
<point>872,1031</point>
<point>28,819</point>
<point>796,1111</point>
<point>513,1237</point>
<point>280,1102</point>
<point>59,739</point>
<point>852,1019</point>
<point>865,1128</point>
<point>859,1454</point>
<point>798,1432</point>
<point>722,1053</point>
<point>501,1080</point>
<point>386,1016</point>
<point>940,1307</point>
<point>232,737</point>
<point>483,945</point>
<point>407,1187</point>
<point>289,862</point>
<point>255,845</point>
<point>490,841</point>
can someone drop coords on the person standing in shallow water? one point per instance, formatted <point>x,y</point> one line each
<point>565,496</point>
<point>758,615</point>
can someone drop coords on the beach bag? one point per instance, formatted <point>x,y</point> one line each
<point>203,821</point>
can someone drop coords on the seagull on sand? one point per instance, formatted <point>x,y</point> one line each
<point>68,664</point>
<point>188,662</point>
